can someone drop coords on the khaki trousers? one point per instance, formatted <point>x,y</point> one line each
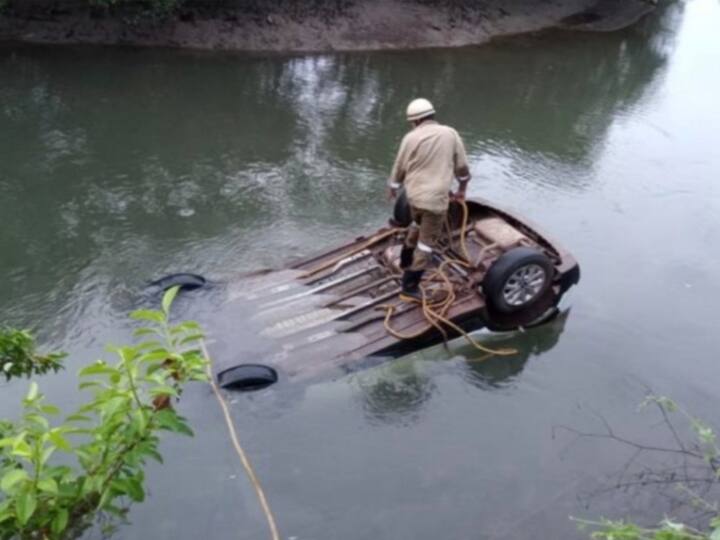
<point>423,236</point>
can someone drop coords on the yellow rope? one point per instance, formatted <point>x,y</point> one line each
<point>463,230</point>
<point>435,312</point>
<point>239,449</point>
<point>436,317</point>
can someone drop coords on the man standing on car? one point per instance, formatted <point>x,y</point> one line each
<point>430,156</point>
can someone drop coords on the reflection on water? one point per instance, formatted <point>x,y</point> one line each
<point>397,392</point>
<point>121,163</point>
<point>495,372</point>
<point>116,161</point>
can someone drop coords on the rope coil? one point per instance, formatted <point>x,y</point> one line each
<point>435,311</point>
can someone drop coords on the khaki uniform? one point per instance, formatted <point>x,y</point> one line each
<point>423,236</point>
<point>430,157</point>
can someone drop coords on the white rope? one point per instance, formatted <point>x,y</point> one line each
<point>239,449</point>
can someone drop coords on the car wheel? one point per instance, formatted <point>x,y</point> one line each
<point>186,282</point>
<point>517,279</point>
<point>247,377</point>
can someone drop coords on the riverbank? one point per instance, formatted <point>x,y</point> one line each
<point>310,26</point>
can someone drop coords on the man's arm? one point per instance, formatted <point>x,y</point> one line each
<point>462,169</point>
<point>397,177</point>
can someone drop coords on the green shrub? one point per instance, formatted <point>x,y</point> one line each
<point>701,453</point>
<point>18,357</point>
<point>108,439</point>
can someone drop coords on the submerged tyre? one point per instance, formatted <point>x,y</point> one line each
<point>247,377</point>
<point>186,282</point>
<point>401,212</point>
<point>518,279</point>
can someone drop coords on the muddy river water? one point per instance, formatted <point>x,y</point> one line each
<point>121,165</point>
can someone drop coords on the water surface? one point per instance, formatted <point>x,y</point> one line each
<point>120,165</point>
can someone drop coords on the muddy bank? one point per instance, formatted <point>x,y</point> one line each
<point>310,25</point>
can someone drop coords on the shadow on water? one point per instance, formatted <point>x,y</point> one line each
<point>398,391</point>
<point>395,391</point>
<point>529,94</point>
<point>496,372</point>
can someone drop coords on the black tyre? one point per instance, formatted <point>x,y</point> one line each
<point>246,377</point>
<point>517,280</point>
<point>186,282</point>
<point>401,213</point>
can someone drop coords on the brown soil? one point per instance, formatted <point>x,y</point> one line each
<point>312,25</point>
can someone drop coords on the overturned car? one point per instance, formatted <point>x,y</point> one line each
<point>336,309</point>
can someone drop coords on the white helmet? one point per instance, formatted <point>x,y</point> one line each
<point>418,109</point>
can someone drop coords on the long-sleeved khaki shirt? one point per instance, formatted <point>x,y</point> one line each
<point>430,156</point>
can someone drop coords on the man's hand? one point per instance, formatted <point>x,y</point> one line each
<point>393,188</point>
<point>463,180</point>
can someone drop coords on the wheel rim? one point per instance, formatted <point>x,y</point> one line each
<point>524,285</point>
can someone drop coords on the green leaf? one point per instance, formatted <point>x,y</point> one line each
<point>153,454</point>
<point>128,354</point>
<point>187,325</point>
<point>60,521</point>
<point>60,441</point>
<point>673,525</point>
<point>191,338</point>
<point>154,356</point>
<point>168,298</point>
<point>98,368</point>
<point>25,506</point>
<point>38,420</point>
<point>90,384</point>
<point>145,331</point>
<point>164,390</point>
<point>152,344</point>
<point>52,410</point>
<point>148,315</point>
<point>113,406</point>
<point>114,511</point>
<point>135,489</point>
<point>21,448</point>
<point>12,478</point>
<point>48,485</point>
<point>170,421</point>
<point>47,452</point>
<point>78,418</point>
<point>32,392</point>
<point>90,484</point>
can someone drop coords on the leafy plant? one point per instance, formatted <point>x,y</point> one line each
<point>666,530</point>
<point>108,440</point>
<point>19,358</point>
<point>698,454</point>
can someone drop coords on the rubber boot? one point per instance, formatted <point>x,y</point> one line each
<point>411,286</point>
<point>406,257</point>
